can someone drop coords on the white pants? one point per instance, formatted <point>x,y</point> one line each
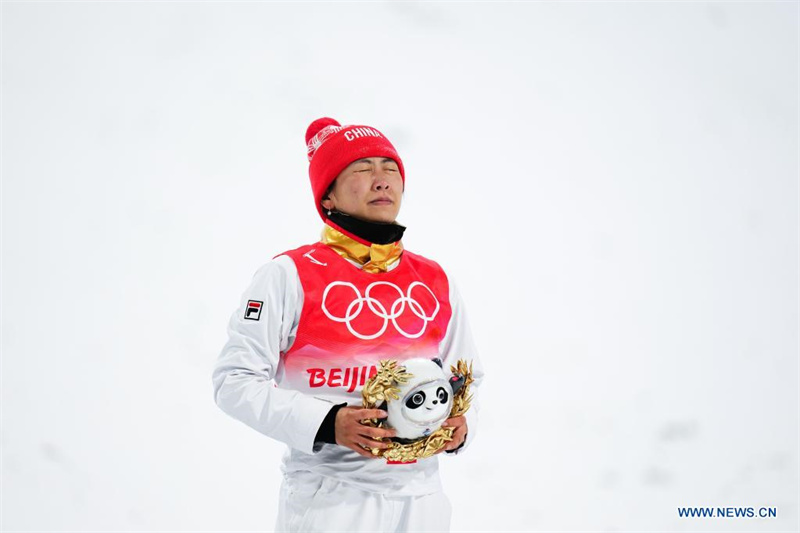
<point>312,503</point>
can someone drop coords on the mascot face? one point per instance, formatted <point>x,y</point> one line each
<point>424,403</point>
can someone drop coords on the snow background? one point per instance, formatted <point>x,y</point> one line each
<point>613,185</point>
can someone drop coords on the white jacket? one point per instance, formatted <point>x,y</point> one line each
<point>248,376</point>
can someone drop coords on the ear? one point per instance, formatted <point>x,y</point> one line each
<point>456,382</point>
<point>327,203</point>
<point>438,362</point>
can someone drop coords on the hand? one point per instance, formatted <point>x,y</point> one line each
<point>459,435</point>
<point>351,433</point>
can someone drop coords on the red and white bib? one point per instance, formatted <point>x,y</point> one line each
<point>351,319</point>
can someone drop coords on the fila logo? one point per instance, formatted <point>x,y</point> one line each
<point>314,259</point>
<point>253,310</point>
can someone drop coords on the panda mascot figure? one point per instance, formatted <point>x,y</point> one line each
<point>424,401</point>
<point>418,397</point>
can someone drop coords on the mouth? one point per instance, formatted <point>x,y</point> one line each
<point>382,201</point>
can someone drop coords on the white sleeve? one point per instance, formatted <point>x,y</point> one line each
<point>458,344</point>
<point>245,370</point>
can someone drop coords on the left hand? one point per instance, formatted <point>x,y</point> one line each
<point>460,423</point>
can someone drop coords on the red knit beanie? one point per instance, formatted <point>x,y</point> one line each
<point>331,147</point>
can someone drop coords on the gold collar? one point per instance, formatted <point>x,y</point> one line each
<point>374,258</point>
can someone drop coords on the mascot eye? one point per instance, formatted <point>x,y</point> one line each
<point>441,394</point>
<point>416,400</point>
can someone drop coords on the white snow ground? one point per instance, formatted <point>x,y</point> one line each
<point>614,186</point>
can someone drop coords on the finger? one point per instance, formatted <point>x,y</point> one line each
<point>455,422</point>
<point>368,446</point>
<point>357,447</point>
<point>368,414</point>
<point>362,452</point>
<point>373,443</point>
<point>377,433</point>
<point>458,438</point>
<point>447,446</point>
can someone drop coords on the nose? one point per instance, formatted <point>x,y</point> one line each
<point>381,183</point>
<point>380,178</point>
<point>435,402</point>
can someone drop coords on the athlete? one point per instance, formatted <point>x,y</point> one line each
<point>313,325</point>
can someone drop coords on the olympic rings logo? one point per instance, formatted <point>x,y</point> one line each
<point>378,309</point>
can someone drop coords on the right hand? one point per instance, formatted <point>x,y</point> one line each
<point>351,433</point>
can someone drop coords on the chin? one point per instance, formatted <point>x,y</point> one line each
<point>381,218</point>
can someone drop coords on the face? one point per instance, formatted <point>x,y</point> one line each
<point>370,189</point>
<point>429,403</point>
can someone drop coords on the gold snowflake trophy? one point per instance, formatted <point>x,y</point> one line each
<point>382,387</point>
